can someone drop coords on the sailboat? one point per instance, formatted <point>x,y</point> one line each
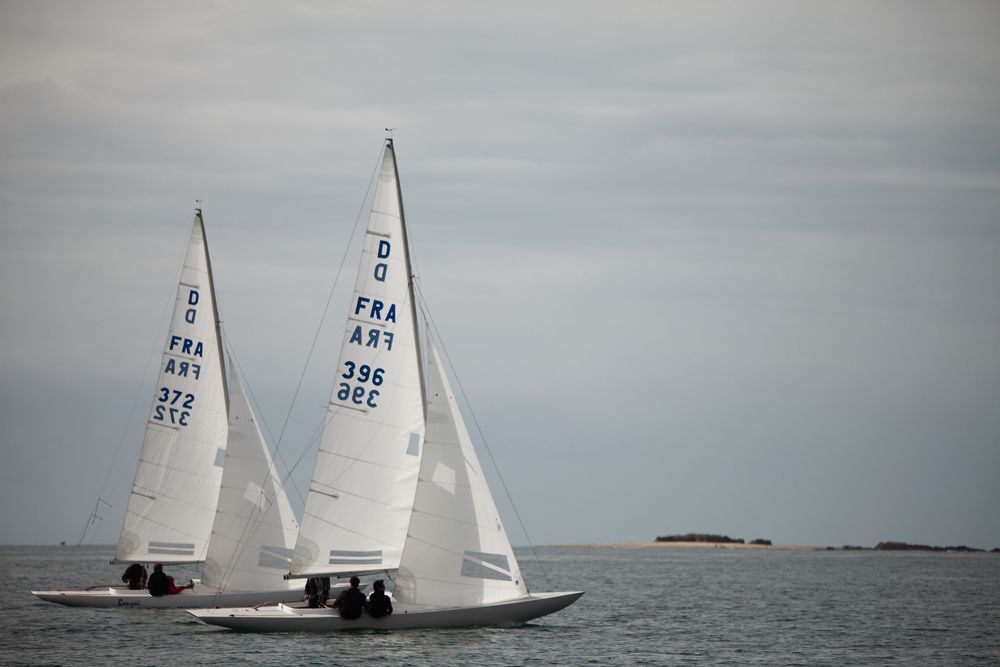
<point>205,489</point>
<point>397,486</point>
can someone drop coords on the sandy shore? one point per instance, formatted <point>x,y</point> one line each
<point>699,545</point>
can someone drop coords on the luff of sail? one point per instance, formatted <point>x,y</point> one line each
<point>361,494</point>
<point>457,553</point>
<point>176,486</point>
<point>255,528</point>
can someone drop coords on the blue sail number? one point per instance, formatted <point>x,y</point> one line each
<point>171,415</point>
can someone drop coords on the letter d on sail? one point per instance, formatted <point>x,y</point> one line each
<point>191,314</point>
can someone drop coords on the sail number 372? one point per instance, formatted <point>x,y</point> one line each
<point>362,375</point>
<point>173,407</point>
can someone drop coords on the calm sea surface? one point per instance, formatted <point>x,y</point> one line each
<point>665,606</point>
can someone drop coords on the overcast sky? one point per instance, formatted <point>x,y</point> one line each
<point>712,267</point>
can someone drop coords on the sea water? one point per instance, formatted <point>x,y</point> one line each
<point>651,606</point>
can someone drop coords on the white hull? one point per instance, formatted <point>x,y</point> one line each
<point>197,597</point>
<point>283,618</point>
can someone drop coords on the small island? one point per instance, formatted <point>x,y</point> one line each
<point>701,537</point>
<point>719,541</point>
<point>727,542</point>
<point>903,546</point>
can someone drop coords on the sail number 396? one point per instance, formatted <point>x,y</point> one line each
<point>359,394</point>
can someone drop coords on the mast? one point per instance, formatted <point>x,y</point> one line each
<point>215,310</point>
<point>409,264</point>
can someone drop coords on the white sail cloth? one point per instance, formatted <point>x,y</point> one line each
<point>457,553</point>
<point>362,488</point>
<point>176,487</point>
<point>255,528</point>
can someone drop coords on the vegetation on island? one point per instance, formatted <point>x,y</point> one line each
<point>701,537</point>
<point>709,538</point>
<point>903,546</point>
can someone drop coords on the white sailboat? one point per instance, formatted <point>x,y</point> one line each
<point>398,481</point>
<point>205,489</point>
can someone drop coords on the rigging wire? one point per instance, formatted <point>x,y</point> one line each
<point>326,309</point>
<point>157,347</point>
<point>426,312</point>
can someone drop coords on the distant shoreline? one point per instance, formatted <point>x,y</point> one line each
<point>703,545</point>
<point>739,546</point>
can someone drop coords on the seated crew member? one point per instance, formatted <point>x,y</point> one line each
<point>175,589</point>
<point>135,577</point>
<point>350,602</point>
<point>160,584</point>
<point>379,604</point>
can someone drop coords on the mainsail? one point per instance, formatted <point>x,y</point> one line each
<point>457,553</point>
<point>255,528</point>
<point>363,483</point>
<point>176,486</point>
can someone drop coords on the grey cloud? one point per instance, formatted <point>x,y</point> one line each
<point>741,259</point>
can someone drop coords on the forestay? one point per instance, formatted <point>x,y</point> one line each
<point>176,487</point>
<point>255,528</point>
<point>361,494</point>
<point>457,553</point>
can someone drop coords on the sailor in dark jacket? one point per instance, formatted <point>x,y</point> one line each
<point>158,583</point>
<point>317,591</point>
<point>350,602</point>
<point>135,577</point>
<point>379,604</point>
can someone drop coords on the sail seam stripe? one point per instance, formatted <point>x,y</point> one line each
<point>359,497</point>
<point>457,485</point>
<point>454,520</point>
<point>374,323</point>
<point>174,498</point>
<point>349,407</point>
<point>349,530</point>
<point>163,525</point>
<point>432,545</point>
<point>355,459</point>
<point>150,422</point>
<point>182,471</point>
<point>167,353</point>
